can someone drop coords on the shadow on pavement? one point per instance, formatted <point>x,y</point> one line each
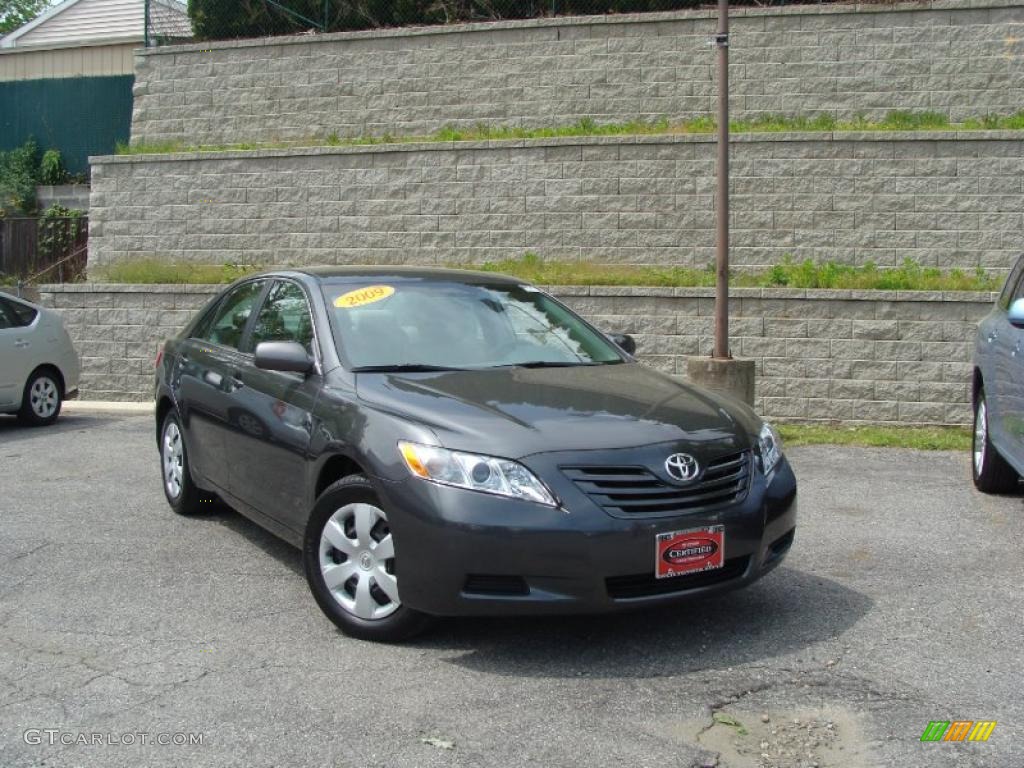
<point>12,430</point>
<point>279,549</point>
<point>786,612</point>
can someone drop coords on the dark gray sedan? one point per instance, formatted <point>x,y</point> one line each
<point>454,443</point>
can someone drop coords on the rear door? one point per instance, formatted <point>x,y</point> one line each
<point>207,367</point>
<point>271,412</point>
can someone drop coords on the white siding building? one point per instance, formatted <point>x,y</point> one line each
<point>85,38</point>
<point>66,76</point>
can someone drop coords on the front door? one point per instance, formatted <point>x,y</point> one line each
<point>207,382</point>
<point>1006,397</point>
<point>271,414</point>
<point>19,350</point>
<point>10,370</point>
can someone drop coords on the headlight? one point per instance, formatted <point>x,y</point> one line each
<point>476,473</point>
<point>770,445</point>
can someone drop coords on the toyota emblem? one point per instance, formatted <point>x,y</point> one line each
<point>682,467</point>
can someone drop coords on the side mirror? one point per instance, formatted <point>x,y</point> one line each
<point>624,342</point>
<point>1016,315</point>
<point>283,356</point>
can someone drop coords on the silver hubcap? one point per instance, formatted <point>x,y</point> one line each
<point>174,459</point>
<point>44,397</point>
<point>980,435</point>
<point>357,560</point>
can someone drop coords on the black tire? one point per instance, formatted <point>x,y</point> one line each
<point>992,473</point>
<point>403,622</point>
<point>42,399</point>
<point>189,499</point>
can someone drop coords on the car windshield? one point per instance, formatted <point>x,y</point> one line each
<point>435,325</point>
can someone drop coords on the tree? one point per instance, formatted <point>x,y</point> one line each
<point>14,13</point>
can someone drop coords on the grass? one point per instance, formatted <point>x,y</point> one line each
<point>531,268</point>
<point>894,121</point>
<point>154,271</point>
<point>918,438</point>
<point>909,276</point>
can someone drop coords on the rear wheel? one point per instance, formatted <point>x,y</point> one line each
<point>42,399</point>
<point>349,557</point>
<point>992,473</point>
<point>182,494</point>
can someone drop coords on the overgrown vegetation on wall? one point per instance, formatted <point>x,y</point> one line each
<point>910,276</point>
<point>58,230</point>
<point>895,121</point>
<point>21,170</point>
<point>219,20</point>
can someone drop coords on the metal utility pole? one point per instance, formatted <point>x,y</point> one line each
<point>722,189</point>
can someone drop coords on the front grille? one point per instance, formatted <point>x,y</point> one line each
<point>637,491</point>
<point>646,585</point>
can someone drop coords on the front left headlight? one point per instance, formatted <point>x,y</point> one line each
<point>770,447</point>
<point>471,471</point>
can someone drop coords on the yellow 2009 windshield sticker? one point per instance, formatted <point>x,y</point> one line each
<point>363,296</point>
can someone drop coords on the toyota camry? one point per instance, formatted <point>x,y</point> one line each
<point>443,443</point>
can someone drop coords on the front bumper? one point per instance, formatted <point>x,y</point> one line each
<point>465,553</point>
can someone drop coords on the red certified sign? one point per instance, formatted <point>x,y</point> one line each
<point>681,552</point>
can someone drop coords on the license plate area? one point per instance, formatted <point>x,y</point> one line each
<point>677,553</point>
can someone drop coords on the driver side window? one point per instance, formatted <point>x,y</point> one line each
<point>230,318</point>
<point>283,317</point>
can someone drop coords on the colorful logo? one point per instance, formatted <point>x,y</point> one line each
<point>958,730</point>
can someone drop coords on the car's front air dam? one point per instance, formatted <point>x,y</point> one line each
<point>446,535</point>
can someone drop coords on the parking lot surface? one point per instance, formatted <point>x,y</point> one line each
<point>900,603</point>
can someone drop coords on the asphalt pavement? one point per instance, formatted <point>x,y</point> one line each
<point>122,624</point>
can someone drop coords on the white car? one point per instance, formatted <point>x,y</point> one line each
<point>38,364</point>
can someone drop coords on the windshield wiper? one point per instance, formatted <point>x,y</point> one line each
<point>403,368</point>
<point>550,364</point>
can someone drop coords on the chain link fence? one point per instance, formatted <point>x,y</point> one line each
<point>169,21</point>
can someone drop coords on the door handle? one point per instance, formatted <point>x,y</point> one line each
<point>992,336</point>
<point>236,379</point>
<point>22,344</point>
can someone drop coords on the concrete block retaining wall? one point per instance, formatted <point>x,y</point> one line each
<point>820,355</point>
<point>943,199</point>
<point>958,57</point>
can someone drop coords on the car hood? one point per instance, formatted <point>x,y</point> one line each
<point>515,412</point>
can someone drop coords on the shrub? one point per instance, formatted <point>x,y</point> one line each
<point>58,229</point>
<point>51,169</point>
<point>219,20</point>
<point>19,174</point>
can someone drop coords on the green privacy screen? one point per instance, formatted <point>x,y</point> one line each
<point>80,116</point>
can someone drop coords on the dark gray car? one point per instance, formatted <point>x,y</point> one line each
<point>447,443</point>
<point>999,390</point>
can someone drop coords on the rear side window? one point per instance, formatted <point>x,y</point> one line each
<point>18,315</point>
<point>232,315</point>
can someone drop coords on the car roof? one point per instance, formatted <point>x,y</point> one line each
<point>328,274</point>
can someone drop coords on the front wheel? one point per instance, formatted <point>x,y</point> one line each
<point>349,557</point>
<point>992,473</point>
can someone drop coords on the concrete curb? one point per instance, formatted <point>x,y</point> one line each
<point>106,406</point>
